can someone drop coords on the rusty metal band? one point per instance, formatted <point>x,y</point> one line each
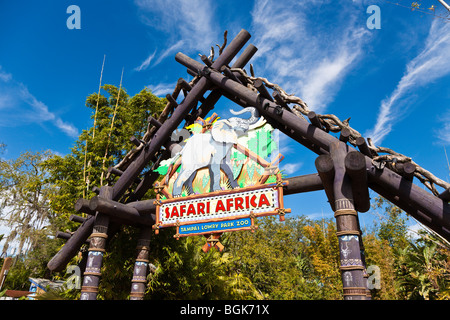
<point>89,289</point>
<point>342,212</point>
<point>97,249</point>
<point>143,260</point>
<point>99,235</point>
<point>137,294</point>
<point>92,273</point>
<point>350,267</point>
<point>143,248</point>
<point>355,291</point>
<point>139,280</point>
<point>348,232</point>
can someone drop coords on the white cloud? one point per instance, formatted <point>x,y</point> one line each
<point>162,89</point>
<point>291,53</point>
<point>67,128</point>
<point>290,168</point>
<point>169,51</point>
<point>15,96</point>
<point>4,76</point>
<point>320,215</point>
<point>144,65</point>
<point>187,23</point>
<point>429,65</point>
<point>442,134</point>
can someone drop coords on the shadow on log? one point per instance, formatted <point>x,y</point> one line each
<point>355,167</point>
<point>325,168</point>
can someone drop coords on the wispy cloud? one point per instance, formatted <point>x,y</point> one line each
<point>4,76</point>
<point>295,57</point>
<point>432,63</point>
<point>162,89</point>
<point>320,215</point>
<point>169,51</point>
<point>19,106</point>
<point>290,168</point>
<point>442,134</point>
<point>186,23</point>
<point>144,65</point>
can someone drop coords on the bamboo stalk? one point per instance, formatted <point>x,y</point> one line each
<point>84,170</point>
<point>110,130</point>
<point>98,98</point>
<point>86,180</point>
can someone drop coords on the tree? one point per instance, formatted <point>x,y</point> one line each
<point>393,226</point>
<point>184,271</point>
<point>275,259</point>
<point>424,269</point>
<point>25,200</point>
<point>323,251</point>
<point>78,172</point>
<point>117,118</point>
<point>379,253</point>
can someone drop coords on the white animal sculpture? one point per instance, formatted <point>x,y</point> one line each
<point>212,150</point>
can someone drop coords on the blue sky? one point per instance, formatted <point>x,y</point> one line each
<point>393,82</point>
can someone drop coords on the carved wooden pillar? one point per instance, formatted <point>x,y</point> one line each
<point>92,273</point>
<point>139,281</point>
<point>332,168</point>
<point>348,231</point>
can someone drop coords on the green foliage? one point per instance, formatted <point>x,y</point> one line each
<point>379,253</point>
<point>275,259</point>
<point>393,226</point>
<point>424,269</point>
<point>18,275</point>
<point>25,199</point>
<point>184,271</point>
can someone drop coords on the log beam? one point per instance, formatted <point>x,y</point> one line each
<point>259,85</point>
<point>120,211</point>
<point>445,195</point>
<point>71,247</point>
<point>355,166</point>
<point>406,169</point>
<point>76,218</point>
<point>325,168</point>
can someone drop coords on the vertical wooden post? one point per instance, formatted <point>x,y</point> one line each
<point>139,280</point>
<point>92,273</point>
<point>348,231</point>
